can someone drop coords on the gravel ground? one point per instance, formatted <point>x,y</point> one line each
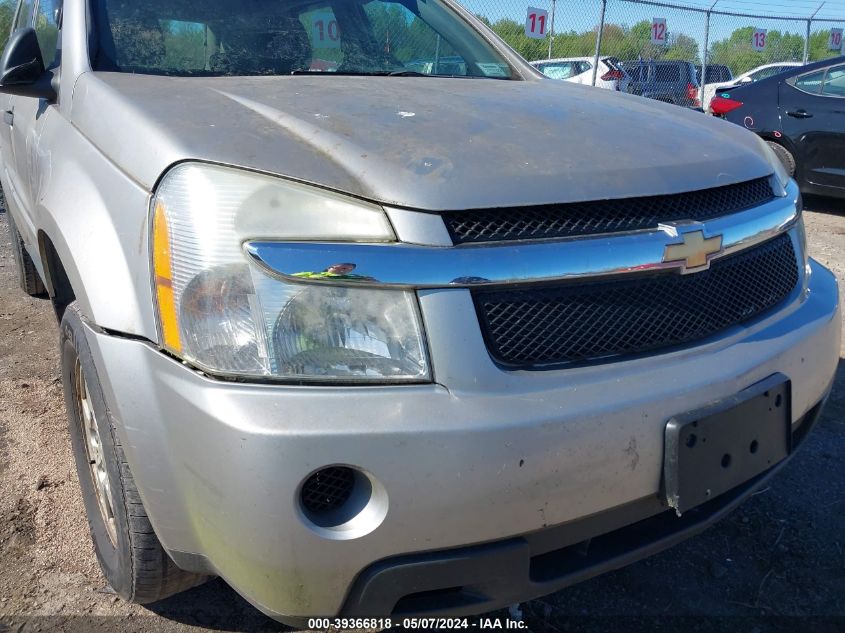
<point>775,564</point>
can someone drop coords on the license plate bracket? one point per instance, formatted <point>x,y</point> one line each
<point>715,449</point>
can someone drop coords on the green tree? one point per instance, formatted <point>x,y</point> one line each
<point>819,46</point>
<point>404,36</point>
<point>7,14</point>
<point>682,47</point>
<point>737,51</point>
<point>617,41</point>
<point>185,45</point>
<point>513,33</point>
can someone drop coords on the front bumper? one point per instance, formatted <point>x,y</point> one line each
<point>481,456</point>
<point>466,581</point>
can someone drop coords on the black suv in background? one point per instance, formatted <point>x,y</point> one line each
<point>670,81</point>
<point>716,73</point>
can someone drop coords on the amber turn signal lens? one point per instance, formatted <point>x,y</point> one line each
<point>163,276</point>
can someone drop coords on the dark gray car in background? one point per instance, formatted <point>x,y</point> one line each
<point>668,81</point>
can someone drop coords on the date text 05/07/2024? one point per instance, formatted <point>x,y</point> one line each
<point>481,624</point>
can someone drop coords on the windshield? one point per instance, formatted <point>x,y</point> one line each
<point>283,37</point>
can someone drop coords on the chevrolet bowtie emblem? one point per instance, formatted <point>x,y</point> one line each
<point>694,251</point>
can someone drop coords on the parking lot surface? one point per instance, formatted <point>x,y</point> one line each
<point>775,564</point>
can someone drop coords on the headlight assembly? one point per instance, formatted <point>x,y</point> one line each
<point>227,317</point>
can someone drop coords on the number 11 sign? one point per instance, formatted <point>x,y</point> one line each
<point>536,23</point>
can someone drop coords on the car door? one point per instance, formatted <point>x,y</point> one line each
<point>23,16</point>
<point>812,110</point>
<point>585,73</point>
<point>27,115</point>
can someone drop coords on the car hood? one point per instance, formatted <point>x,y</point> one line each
<point>425,143</point>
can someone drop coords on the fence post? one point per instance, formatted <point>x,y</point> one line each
<point>599,36</point>
<point>807,42</point>
<point>705,56</point>
<point>807,39</point>
<point>552,31</point>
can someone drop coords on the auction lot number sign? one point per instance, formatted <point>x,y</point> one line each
<point>658,30</point>
<point>325,32</point>
<point>835,43</point>
<point>536,23</point>
<point>759,39</point>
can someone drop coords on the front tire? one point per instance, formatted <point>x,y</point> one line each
<point>785,156</point>
<point>132,559</point>
<point>28,277</point>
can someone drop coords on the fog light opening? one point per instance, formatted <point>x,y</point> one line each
<point>327,490</point>
<point>342,502</point>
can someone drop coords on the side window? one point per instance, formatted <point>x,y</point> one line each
<point>401,36</point>
<point>557,71</point>
<point>47,28</point>
<point>765,73</point>
<point>834,83</point>
<point>584,67</point>
<point>811,82</point>
<point>714,74</point>
<point>762,74</point>
<point>667,73</point>
<point>22,18</point>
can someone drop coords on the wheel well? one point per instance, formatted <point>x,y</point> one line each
<point>780,140</point>
<point>57,282</point>
<point>787,145</point>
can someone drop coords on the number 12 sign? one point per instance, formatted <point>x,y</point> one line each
<point>658,31</point>
<point>758,39</point>
<point>536,23</point>
<point>836,39</point>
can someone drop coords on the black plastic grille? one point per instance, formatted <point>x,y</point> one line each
<point>606,216</point>
<point>577,322</point>
<point>327,489</point>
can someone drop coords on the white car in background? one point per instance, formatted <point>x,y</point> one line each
<point>717,75</point>
<point>579,70</point>
<point>755,74</point>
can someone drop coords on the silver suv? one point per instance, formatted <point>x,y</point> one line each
<point>369,336</point>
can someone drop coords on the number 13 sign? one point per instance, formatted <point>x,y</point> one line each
<point>658,31</point>
<point>536,23</point>
<point>758,39</point>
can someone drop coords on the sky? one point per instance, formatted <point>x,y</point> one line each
<point>830,9</point>
<point>583,15</point>
<point>788,8</point>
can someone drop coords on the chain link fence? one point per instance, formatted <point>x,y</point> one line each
<point>652,30</point>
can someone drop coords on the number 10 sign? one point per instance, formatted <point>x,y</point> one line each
<point>536,23</point>
<point>324,31</point>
